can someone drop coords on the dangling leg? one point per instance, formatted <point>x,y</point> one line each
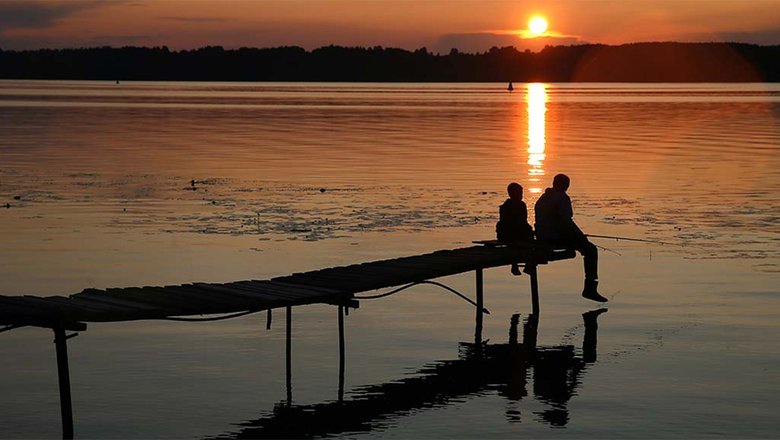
<point>591,261</point>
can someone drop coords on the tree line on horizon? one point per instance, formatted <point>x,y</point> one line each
<point>636,62</point>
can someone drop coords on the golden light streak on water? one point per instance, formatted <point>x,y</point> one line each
<point>536,97</point>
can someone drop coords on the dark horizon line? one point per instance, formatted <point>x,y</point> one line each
<point>369,47</point>
<point>630,62</point>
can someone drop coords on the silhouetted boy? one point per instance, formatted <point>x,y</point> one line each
<point>554,225</point>
<point>512,226</point>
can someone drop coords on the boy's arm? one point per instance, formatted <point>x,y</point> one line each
<point>566,213</point>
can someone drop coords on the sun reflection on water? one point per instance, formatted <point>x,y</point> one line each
<point>536,97</point>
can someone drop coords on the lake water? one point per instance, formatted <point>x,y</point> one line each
<point>97,178</point>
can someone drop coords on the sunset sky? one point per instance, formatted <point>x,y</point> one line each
<point>438,25</point>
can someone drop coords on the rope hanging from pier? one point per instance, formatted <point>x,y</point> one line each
<point>381,295</point>
<point>435,283</point>
<point>215,318</point>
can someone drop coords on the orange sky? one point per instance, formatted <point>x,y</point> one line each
<point>410,24</point>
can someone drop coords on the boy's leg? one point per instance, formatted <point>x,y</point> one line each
<point>590,255</point>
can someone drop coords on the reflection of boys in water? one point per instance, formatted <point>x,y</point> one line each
<point>556,369</point>
<point>496,367</point>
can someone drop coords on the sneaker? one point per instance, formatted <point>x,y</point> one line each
<point>592,315</point>
<point>590,291</point>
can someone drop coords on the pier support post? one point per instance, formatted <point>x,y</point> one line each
<point>531,332</point>
<point>288,351</point>
<point>480,307</point>
<point>341,353</point>
<point>66,409</point>
<point>513,329</point>
<point>531,271</point>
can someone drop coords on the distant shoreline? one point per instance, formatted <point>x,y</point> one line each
<point>667,62</point>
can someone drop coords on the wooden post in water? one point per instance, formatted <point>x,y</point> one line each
<point>513,329</point>
<point>66,409</point>
<point>341,353</point>
<point>480,307</point>
<point>531,332</point>
<point>289,355</point>
<point>531,270</point>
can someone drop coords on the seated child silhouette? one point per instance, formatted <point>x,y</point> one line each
<point>512,226</point>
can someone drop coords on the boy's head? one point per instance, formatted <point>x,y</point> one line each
<point>561,182</point>
<point>515,191</point>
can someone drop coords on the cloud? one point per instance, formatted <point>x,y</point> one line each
<point>483,41</point>
<point>28,43</point>
<point>38,42</point>
<point>473,43</point>
<point>111,40</point>
<point>765,37</point>
<point>41,14</point>
<point>197,19</point>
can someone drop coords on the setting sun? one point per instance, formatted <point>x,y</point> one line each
<point>537,25</point>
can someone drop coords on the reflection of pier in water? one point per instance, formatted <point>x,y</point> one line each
<point>555,372</point>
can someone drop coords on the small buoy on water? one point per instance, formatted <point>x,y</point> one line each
<point>510,87</point>
<point>17,197</point>
<point>322,190</point>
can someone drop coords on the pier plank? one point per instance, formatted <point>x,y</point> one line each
<point>273,299</point>
<point>274,290</point>
<point>237,294</point>
<point>112,300</point>
<point>325,286</point>
<point>151,298</point>
<point>79,306</point>
<point>12,309</point>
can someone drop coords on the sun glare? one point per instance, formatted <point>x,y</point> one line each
<point>537,25</point>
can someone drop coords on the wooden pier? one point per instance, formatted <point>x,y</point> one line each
<point>337,286</point>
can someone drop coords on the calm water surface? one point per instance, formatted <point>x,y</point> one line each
<point>97,178</point>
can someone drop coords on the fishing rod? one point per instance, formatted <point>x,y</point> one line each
<point>608,250</point>
<point>615,237</point>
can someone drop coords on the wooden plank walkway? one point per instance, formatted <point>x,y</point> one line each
<point>336,285</point>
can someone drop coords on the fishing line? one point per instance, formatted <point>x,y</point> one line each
<point>615,237</point>
<point>608,250</point>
